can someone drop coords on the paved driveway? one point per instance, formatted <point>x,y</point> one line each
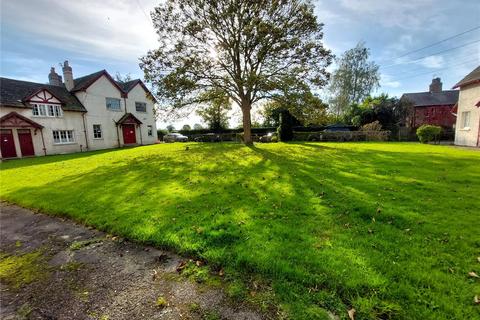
<point>56,269</point>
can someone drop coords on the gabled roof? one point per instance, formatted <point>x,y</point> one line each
<point>129,85</point>
<point>422,99</point>
<point>470,78</point>
<point>128,118</point>
<point>84,82</point>
<point>14,119</point>
<point>13,94</point>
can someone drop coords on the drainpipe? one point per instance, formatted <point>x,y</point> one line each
<point>85,131</point>
<point>478,133</point>
<point>43,142</point>
<point>140,129</point>
<point>118,136</point>
<point>125,102</point>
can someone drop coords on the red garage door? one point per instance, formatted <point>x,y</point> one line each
<point>7,144</point>
<point>26,143</point>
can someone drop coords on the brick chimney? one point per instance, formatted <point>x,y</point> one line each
<point>68,76</point>
<point>436,85</point>
<point>53,78</point>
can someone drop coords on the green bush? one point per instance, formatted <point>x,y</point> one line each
<point>285,129</point>
<point>274,139</point>
<point>161,133</point>
<point>427,133</point>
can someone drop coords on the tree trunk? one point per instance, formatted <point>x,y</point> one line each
<point>247,123</point>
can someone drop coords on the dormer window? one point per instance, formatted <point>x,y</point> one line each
<point>47,110</point>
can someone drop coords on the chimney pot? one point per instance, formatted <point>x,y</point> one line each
<point>53,78</point>
<point>68,76</point>
<point>436,85</point>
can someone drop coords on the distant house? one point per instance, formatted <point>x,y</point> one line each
<point>467,129</point>
<point>87,113</point>
<point>432,107</point>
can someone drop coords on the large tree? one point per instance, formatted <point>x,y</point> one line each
<point>215,114</point>
<point>354,79</point>
<point>249,49</point>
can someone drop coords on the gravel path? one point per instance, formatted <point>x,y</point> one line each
<point>82,273</point>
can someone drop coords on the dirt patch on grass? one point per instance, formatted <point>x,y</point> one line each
<point>55,269</point>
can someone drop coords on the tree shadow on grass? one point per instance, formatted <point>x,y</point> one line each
<point>317,224</point>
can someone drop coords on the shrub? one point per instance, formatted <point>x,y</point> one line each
<point>274,139</point>
<point>285,129</point>
<point>161,133</point>
<point>372,126</point>
<point>427,133</point>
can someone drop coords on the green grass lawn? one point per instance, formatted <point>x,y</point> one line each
<point>390,229</point>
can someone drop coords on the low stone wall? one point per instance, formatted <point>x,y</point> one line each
<point>342,136</point>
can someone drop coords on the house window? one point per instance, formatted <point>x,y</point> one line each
<point>113,104</point>
<point>141,106</point>
<point>97,131</point>
<point>150,131</point>
<point>466,120</point>
<point>63,136</point>
<point>47,110</point>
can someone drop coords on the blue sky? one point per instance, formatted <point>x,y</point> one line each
<point>113,34</point>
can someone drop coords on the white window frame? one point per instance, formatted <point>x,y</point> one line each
<point>41,110</point>
<point>140,103</point>
<point>95,132</point>
<point>150,131</point>
<point>108,106</point>
<point>466,117</point>
<point>63,137</point>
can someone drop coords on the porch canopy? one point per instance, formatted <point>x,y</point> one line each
<point>128,118</point>
<point>16,120</point>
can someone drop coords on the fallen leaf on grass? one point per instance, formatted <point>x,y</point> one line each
<point>221,272</point>
<point>476,299</point>
<point>478,259</point>
<point>473,274</point>
<point>199,263</point>
<point>181,265</point>
<point>351,313</point>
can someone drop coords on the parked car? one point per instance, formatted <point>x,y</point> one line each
<point>338,127</point>
<point>175,137</point>
<point>209,137</point>
<point>269,137</point>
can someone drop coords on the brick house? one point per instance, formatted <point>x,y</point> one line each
<point>435,107</point>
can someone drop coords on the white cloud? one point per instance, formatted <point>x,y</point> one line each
<point>387,81</point>
<point>406,14</point>
<point>433,62</point>
<point>108,29</point>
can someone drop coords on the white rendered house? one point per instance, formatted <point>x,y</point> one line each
<point>87,113</point>
<point>467,128</point>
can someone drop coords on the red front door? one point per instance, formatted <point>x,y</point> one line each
<point>7,144</point>
<point>129,134</point>
<point>26,143</point>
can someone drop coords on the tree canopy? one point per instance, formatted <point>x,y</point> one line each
<point>354,79</point>
<point>390,112</point>
<point>215,114</point>
<point>249,49</point>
